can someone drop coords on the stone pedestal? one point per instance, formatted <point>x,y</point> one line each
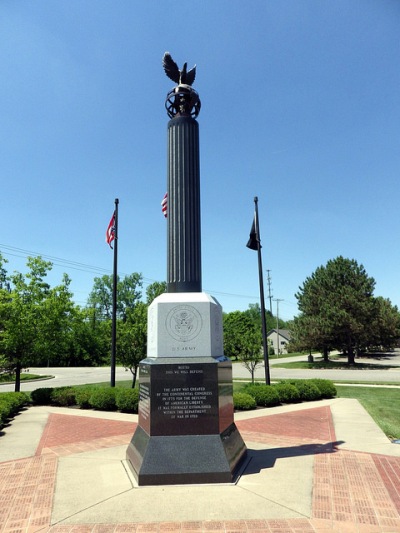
<point>186,431</point>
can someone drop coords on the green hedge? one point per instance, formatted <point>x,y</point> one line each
<point>127,400</point>
<point>42,396</point>
<point>326,387</point>
<point>264,395</point>
<point>63,396</point>
<point>307,389</point>
<point>101,398</point>
<point>243,401</point>
<point>290,391</point>
<point>82,397</point>
<point>287,392</point>
<point>10,404</point>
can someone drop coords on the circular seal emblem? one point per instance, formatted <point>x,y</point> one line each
<point>183,323</point>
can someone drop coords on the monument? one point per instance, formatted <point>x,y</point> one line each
<point>186,431</point>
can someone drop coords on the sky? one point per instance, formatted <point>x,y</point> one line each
<point>300,107</point>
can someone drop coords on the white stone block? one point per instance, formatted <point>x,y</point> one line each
<point>185,324</point>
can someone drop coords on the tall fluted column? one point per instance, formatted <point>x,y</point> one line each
<point>184,228</point>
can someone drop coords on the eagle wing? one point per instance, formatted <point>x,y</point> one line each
<point>190,76</point>
<point>171,68</point>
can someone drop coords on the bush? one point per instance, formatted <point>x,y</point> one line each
<point>4,413</point>
<point>308,391</point>
<point>243,401</point>
<point>82,397</point>
<point>63,396</point>
<point>251,388</point>
<point>42,396</point>
<point>127,400</point>
<point>326,387</point>
<point>10,404</point>
<point>287,392</point>
<point>103,399</point>
<point>267,397</point>
<point>264,395</point>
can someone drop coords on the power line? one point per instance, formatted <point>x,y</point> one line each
<point>84,267</point>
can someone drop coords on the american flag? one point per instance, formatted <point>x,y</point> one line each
<point>164,203</point>
<point>110,233</point>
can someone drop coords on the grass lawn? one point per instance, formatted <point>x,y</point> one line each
<point>10,378</point>
<point>381,403</point>
<point>320,363</point>
<point>126,384</point>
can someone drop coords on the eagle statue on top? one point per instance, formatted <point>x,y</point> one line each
<point>181,77</point>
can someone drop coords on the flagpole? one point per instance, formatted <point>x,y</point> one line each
<point>114,297</point>
<point>262,302</point>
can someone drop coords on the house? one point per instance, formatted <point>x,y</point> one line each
<point>279,338</point>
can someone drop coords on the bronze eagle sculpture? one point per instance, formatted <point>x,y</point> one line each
<point>178,76</point>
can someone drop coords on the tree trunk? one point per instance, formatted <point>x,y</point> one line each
<point>18,377</point>
<point>134,372</point>
<point>326,353</point>
<point>350,356</point>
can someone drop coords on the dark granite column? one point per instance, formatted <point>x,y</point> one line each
<point>184,234</point>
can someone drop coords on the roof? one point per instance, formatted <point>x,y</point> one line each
<point>282,332</point>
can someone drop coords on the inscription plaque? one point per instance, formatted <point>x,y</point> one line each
<point>182,399</point>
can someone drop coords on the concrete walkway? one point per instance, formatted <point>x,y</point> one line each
<point>316,467</point>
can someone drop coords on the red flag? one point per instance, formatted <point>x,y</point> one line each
<point>164,205</point>
<point>110,233</point>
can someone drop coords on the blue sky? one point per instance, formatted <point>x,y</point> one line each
<point>300,107</point>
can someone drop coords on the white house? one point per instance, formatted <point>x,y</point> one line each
<point>279,339</point>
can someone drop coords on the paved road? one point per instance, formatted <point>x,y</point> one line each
<point>70,376</point>
<point>83,375</point>
<point>384,374</point>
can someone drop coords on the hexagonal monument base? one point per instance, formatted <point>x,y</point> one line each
<point>186,433</point>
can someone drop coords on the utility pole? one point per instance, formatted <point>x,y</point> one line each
<point>277,300</point>
<point>269,291</point>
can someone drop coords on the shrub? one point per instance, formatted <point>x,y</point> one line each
<point>251,388</point>
<point>4,413</point>
<point>287,392</point>
<point>308,391</point>
<point>127,400</point>
<point>265,395</point>
<point>42,396</point>
<point>103,399</point>
<point>82,397</point>
<point>10,404</point>
<point>63,396</point>
<point>243,401</point>
<point>326,387</point>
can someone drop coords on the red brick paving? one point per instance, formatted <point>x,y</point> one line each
<point>313,424</point>
<point>353,492</point>
<point>69,429</point>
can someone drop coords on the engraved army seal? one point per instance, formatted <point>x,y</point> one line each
<point>184,323</point>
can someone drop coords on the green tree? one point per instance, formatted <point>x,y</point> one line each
<point>132,339</point>
<point>128,294</point>
<point>21,311</point>
<point>56,314</point>
<point>242,340</point>
<point>154,290</point>
<point>385,325</point>
<point>88,340</point>
<point>336,305</point>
